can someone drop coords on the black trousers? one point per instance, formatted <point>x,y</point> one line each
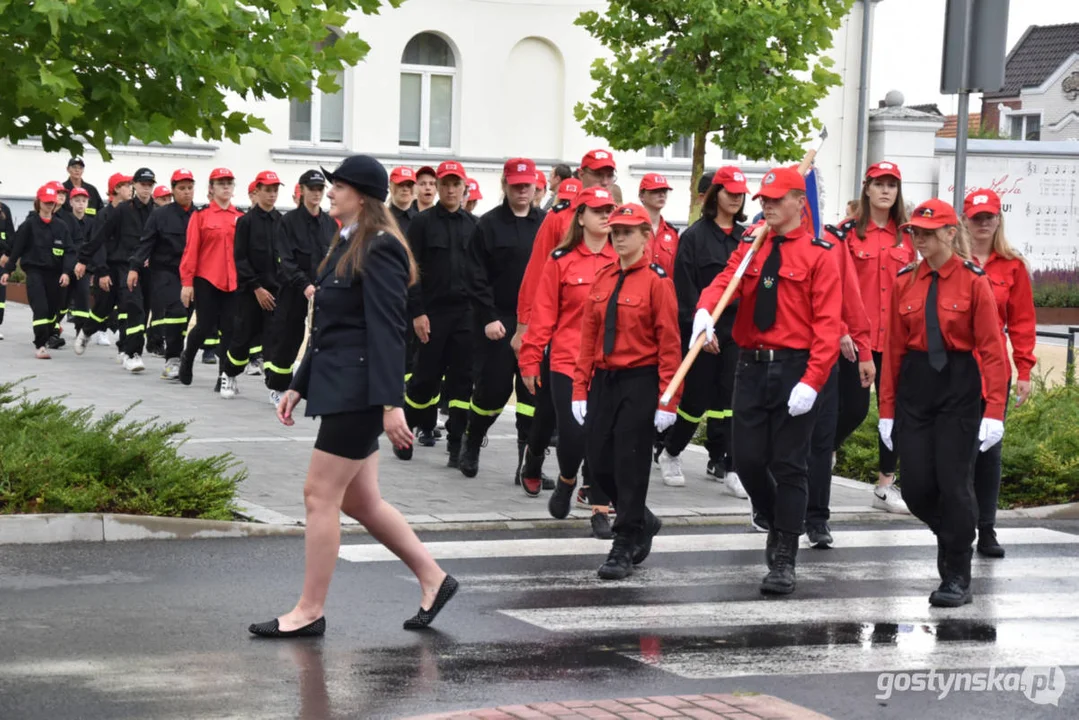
<point>447,353</point>
<point>3,302</point>
<point>620,427</point>
<point>987,475</point>
<point>133,304</point>
<point>821,443</point>
<point>572,438</point>
<point>706,395</point>
<point>44,293</point>
<point>854,407</point>
<point>77,298</point>
<point>937,415</point>
<point>169,314</point>
<point>285,338</point>
<point>771,448</point>
<point>494,367</point>
<point>104,302</point>
<point>213,315</point>
<point>248,320</point>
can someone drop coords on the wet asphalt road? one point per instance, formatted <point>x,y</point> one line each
<point>158,629</point>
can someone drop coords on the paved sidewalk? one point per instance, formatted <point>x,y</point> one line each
<point>276,457</point>
<point>700,707</point>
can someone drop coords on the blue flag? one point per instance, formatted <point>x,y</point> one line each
<point>811,209</point>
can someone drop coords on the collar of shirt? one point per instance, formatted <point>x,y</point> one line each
<point>888,228</point>
<point>215,208</point>
<point>642,261</point>
<point>798,233</point>
<point>443,212</point>
<point>606,251</point>
<point>944,270</point>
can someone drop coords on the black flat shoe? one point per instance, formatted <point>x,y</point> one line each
<point>423,618</point>
<point>270,630</point>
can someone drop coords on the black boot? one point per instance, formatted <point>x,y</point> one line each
<point>619,564</point>
<point>652,526</point>
<point>561,498</point>
<point>770,548</point>
<point>520,461</point>
<point>187,367</point>
<point>531,472</point>
<point>987,543</point>
<point>780,579</point>
<point>954,591</point>
<point>470,456</point>
<point>453,447</point>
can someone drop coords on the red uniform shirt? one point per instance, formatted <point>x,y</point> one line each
<point>208,254</point>
<point>552,231</point>
<point>1010,282</point>
<point>663,247</point>
<point>646,330</point>
<point>808,301</point>
<point>877,261</point>
<point>968,323</point>
<point>556,313</point>
<point>855,321</point>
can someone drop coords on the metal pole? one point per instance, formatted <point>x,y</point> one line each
<point>863,96</point>
<point>961,129</point>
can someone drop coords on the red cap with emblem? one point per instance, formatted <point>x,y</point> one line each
<point>594,197</point>
<point>473,190</point>
<point>402,175</point>
<point>779,182</point>
<point>568,188</point>
<point>79,192</point>
<point>981,201</point>
<point>732,179</point>
<point>883,169</point>
<point>654,181</point>
<point>46,193</point>
<point>520,171</point>
<point>251,186</point>
<point>541,180</point>
<point>181,175</point>
<point>267,177</point>
<point>221,174</point>
<point>597,160</point>
<point>932,214</point>
<point>117,179</point>
<point>451,168</point>
<point>161,191</point>
<point>630,214</point>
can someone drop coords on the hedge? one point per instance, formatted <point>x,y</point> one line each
<point>1058,288</point>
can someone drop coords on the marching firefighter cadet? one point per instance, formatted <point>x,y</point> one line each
<point>561,299</point>
<point>541,189</point>
<point>7,236</point>
<point>441,313</point>
<point>500,248</point>
<point>703,252</point>
<point>256,280</point>
<point>426,189</point>
<point>402,190</point>
<point>301,241</point>
<point>474,195</point>
<point>44,246</point>
<point>879,251</point>
<point>119,234</point>
<point>629,350</point>
<point>75,169</point>
<point>942,314</point>
<point>653,193</point>
<point>104,295</point>
<point>79,289</point>
<point>1009,278</point>
<point>788,329</point>
<point>162,196</point>
<point>162,244</point>
<point>208,270</point>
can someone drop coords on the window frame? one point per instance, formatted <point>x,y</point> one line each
<point>1024,116</point>
<point>426,72</point>
<point>668,152</point>
<point>316,116</point>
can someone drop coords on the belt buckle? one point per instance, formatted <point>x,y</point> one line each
<point>766,355</point>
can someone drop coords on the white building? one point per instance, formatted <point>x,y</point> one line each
<point>474,80</point>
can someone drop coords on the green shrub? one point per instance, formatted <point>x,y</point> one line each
<point>17,275</point>
<point>57,460</point>
<point>1056,288</point>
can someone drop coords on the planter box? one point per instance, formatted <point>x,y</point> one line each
<point>1048,316</point>
<point>16,292</point>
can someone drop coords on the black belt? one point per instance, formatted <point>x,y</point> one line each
<point>626,373</point>
<point>762,356</point>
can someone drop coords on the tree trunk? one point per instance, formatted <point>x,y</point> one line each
<point>700,138</point>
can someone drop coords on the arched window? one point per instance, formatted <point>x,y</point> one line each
<point>428,86</point>
<point>320,120</point>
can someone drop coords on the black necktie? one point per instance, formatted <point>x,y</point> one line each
<point>764,313</point>
<point>610,322</point>
<point>938,356</point>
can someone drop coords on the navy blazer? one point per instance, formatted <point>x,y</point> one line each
<point>356,352</point>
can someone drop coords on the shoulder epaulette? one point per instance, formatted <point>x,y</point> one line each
<point>560,206</point>
<point>559,253</point>
<point>657,269</point>
<point>907,269</point>
<point>838,232</point>
<point>823,243</point>
<point>973,267</point>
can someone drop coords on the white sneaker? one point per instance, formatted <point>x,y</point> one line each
<point>102,339</point>
<point>113,337</point>
<point>80,342</point>
<point>42,353</point>
<point>254,368</point>
<point>732,485</point>
<point>1,336</point>
<point>442,418</point>
<point>671,467</point>
<point>228,386</point>
<point>134,364</point>
<point>172,369</point>
<point>121,357</point>
<point>889,499</point>
<point>275,398</point>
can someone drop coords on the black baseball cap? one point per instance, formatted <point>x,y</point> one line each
<point>144,175</point>
<point>705,182</point>
<point>313,178</point>
<point>75,161</point>
<point>364,173</point>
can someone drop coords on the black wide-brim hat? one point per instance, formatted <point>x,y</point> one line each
<point>364,173</point>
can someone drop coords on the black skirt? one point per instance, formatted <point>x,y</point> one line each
<point>351,435</point>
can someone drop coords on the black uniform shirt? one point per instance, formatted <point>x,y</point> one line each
<point>94,206</point>
<point>301,241</point>
<point>119,233</point>
<point>256,266</point>
<point>404,217</point>
<point>703,252</point>
<point>41,245</point>
<point>500,248</point>
<point>164,238</point>
<point>440,242</point>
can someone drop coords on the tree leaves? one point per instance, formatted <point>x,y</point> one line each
<point>100,71</point>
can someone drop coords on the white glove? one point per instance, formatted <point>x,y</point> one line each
<point>801,400</point>
<point>664,420</point>
<point>884,426</point>
<point>702,323</point>
<point>580,409</point>
<point>990,433</point>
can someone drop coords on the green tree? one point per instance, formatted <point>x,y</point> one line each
<point>750,72</point>
<point>99,71</point>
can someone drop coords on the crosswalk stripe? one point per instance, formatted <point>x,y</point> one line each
<point>545,547</point>
<point>908,609</point>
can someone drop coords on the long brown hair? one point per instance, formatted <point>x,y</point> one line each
<point>374,218</point>
<point>897,213</point>
<point>710,206</point>
<point>575,234</point>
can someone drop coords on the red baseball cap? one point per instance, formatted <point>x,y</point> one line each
<point>520,171</point>
<point>267,177</point>
<point>630,214</point>
<point>883,169</point>
<point>57,186</point>
<point>118,179</point>
<point>251,186</point>
<point>79,192</point>
<point>449,168</point>
<point>780,181</point>
<point>181,175</point>
<point>46,193</point>
<point>221,174</point>
<point>981,201</point>
<point>594,197</point>
<point>161,191</point>
<point>426,170</point>
<point>569,188</point>
<point>473,190</point>
<point>732,179</point>
<point>597,160</point>
<point>932,214</point>
<point>296,192</point>
<point>541,180</point>
<point>401,175</point>
<point>653,181</point>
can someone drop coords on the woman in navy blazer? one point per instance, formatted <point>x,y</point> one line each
<point>353,379</point>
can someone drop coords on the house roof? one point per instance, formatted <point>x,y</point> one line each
<point>1036,56</point>
<point>931,108</point>
<point>951,125</point>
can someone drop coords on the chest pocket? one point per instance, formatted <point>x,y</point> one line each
<point>599,297</point>
<point>909,307</point>
<point>900,256</point>
<point>794,274</point>
<point>864,252</point>
<point>439,239</point>
<point>956,305</point>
